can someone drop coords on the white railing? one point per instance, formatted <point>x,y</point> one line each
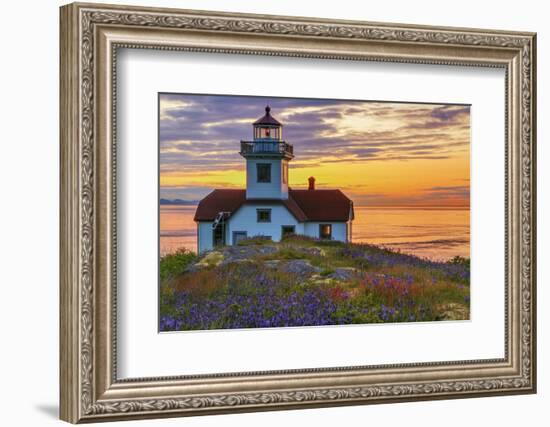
<point>260,147</point>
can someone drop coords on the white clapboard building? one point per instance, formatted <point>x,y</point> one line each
<point>268,207</point>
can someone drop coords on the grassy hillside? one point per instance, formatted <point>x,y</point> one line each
<point>302,282</point>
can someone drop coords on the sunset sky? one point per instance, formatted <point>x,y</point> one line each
<point>378,153</point>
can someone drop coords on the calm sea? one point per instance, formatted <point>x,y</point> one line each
<point>435,233</point>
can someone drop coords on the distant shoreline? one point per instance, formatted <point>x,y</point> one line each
<point>179,202</point>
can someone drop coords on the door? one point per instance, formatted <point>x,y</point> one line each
<point>287,230</point>
<point>238,236</point>
<point>219,235</point>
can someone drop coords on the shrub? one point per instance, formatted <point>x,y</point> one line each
<point>288,252</point>
<point>327,271</point>
<point>255,240</point>
<point>299,239</point>
<point>460,261</point>
<point>174,264</point>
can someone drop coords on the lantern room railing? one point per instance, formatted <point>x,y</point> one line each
<point>266,147</point>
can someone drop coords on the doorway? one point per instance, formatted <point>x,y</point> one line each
<point>238,236</point>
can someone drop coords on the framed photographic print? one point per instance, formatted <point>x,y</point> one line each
<point>265,212</point>
<point>278,247</point>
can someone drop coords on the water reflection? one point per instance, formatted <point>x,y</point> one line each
<point>434,233</point>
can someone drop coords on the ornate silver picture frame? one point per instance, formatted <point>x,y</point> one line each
<point>91,390</point>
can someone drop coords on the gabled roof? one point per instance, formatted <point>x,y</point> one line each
<point>304,205</point>
<point>219,201</point>
<point>267,119</point>
<point>323,205</point>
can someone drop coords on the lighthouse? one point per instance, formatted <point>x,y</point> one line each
<point>267,157</point>
<point>268,207</point>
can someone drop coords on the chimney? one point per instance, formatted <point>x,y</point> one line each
<point>311,183</point>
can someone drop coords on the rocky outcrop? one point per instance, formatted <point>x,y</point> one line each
<point>300,267</point>
<point>343,273</point>
<point>237,253</point>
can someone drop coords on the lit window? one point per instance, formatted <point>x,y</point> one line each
<point>325,231</point>
<point>267,133</point>
<point>285,172</point>
<point>263,171</point>
<point>263,215</point>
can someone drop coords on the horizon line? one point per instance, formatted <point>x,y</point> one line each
<point>196,202</point>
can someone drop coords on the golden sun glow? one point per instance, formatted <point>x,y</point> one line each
<point>378,153</point>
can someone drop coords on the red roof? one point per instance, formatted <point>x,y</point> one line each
<point>219,201</point>
<point>323,205</point>
<point>304,205</point>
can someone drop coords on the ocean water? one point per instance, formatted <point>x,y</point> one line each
<point>434,233</point>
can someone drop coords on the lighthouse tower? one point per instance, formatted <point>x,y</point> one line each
<point>267,157</point>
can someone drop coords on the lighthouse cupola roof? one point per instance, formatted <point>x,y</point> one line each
<point>267,119</point>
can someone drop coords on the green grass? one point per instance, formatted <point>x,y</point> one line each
<point>255,240</point>
<point>327,271</point>
<point>174,264</point>
<point>286,253</point>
